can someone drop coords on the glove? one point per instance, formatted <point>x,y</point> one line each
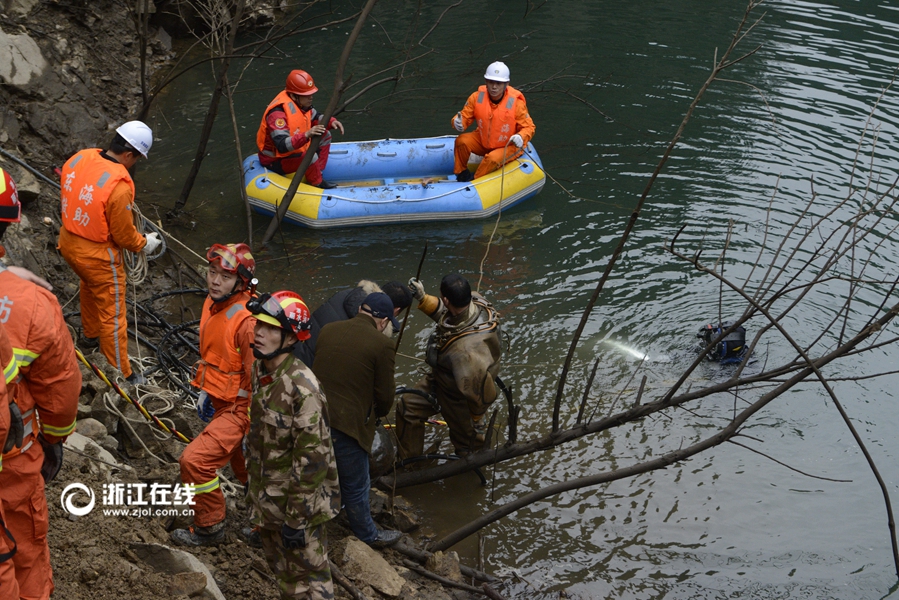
<point>517,140</point>
<point>16,428</point>
<point>52,459</point>
<point>205,410</point>
<point>418,289</point>
<point>292,539</point>
<point>153,243</point>
<point>479,424</point>
<point>457,122</point>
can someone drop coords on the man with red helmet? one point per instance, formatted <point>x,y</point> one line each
<point>46,396</point>
<point>293,488</point>
<point>504,125</point>
<point>97,223</point>
<point>224,379</point>
<point>287,125</point>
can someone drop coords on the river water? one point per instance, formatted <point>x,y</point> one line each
<point>607,84</point>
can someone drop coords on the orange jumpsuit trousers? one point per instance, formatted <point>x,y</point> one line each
<point>103,310</point>
<point>26,516</point>
<point>470,143</point>
<point>217,445</point>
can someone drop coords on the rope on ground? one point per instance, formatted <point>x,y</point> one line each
<point>96,370</point>
<point>110,404</point>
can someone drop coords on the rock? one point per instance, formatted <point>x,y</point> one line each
<point>101,412</point>
<point>110,443</point>
<point>20,8</point>
<point>404,520</point>
<point>379,501</point>
<point>84,411</point>
<point>445,565</point>
<point>173,561</point>
<point>28,187</point>
<point>187,584</point>
<point>21,61</point>
<point>92,428</point>
<point>364,565</point>
<point>85,445</point>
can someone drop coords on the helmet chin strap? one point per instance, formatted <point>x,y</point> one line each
<point>233,291</point>
<point>282,350</point>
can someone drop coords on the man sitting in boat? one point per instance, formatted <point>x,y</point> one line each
<point>288,124</point>
<point>504,125</point>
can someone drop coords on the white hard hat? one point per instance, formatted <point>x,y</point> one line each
<point>138,135</point>
<point>497,71</point>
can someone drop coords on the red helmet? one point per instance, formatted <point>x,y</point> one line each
<point>234,258</point>
<point>10,208</point>
<point>300,83</point>
<point>285,310</point>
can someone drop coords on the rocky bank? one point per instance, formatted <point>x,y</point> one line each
<point>68,77</point>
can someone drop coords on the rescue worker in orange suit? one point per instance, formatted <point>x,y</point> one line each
<point>504,125</point>
<point>9,587</point>
<point>288,123</point>
<point>46,395</point>
<point>224,377</point>
<point>98,222</point>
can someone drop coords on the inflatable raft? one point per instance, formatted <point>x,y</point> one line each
<point>394,181</point>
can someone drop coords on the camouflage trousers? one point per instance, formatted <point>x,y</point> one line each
<point>303,573</point>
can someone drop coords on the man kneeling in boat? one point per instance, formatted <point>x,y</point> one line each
<point>288,123</point>
<point>504,125</point>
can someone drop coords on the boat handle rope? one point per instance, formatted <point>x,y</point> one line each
<point>362,201</point>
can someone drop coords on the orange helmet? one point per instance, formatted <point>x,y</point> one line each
<point>10,208</point>
<point>300,82</point>
<point>285,310</point>
<point>234,258</point>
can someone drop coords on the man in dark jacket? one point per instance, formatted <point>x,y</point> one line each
<point>354,363</point>
<point>345,305</point>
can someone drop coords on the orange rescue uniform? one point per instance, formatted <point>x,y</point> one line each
<point>9,588</point>
<point>47,393</point>
<point>97,198</point>
<point>497,122</point>
<point>223,372</point>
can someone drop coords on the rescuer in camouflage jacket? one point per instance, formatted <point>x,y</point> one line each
<point>293,487</point>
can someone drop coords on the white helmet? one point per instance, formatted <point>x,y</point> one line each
<point>138,135</point>
<point>497,71</point>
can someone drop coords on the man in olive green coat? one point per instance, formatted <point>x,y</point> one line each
<point>354,363</point>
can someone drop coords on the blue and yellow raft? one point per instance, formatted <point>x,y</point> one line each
<point>394,181</point>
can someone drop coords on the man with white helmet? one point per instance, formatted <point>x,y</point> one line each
<point>288,124</point>
<point>98,222</point>
<point>504,126</point>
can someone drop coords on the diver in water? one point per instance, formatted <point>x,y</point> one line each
<point>731,349</point>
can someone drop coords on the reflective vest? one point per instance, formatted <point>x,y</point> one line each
<point>220,370</point>
<point>10,372</point>
<point>49,380</point>
<point>88,179</point>
<point>297,122</point>
<point>496,125</point>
